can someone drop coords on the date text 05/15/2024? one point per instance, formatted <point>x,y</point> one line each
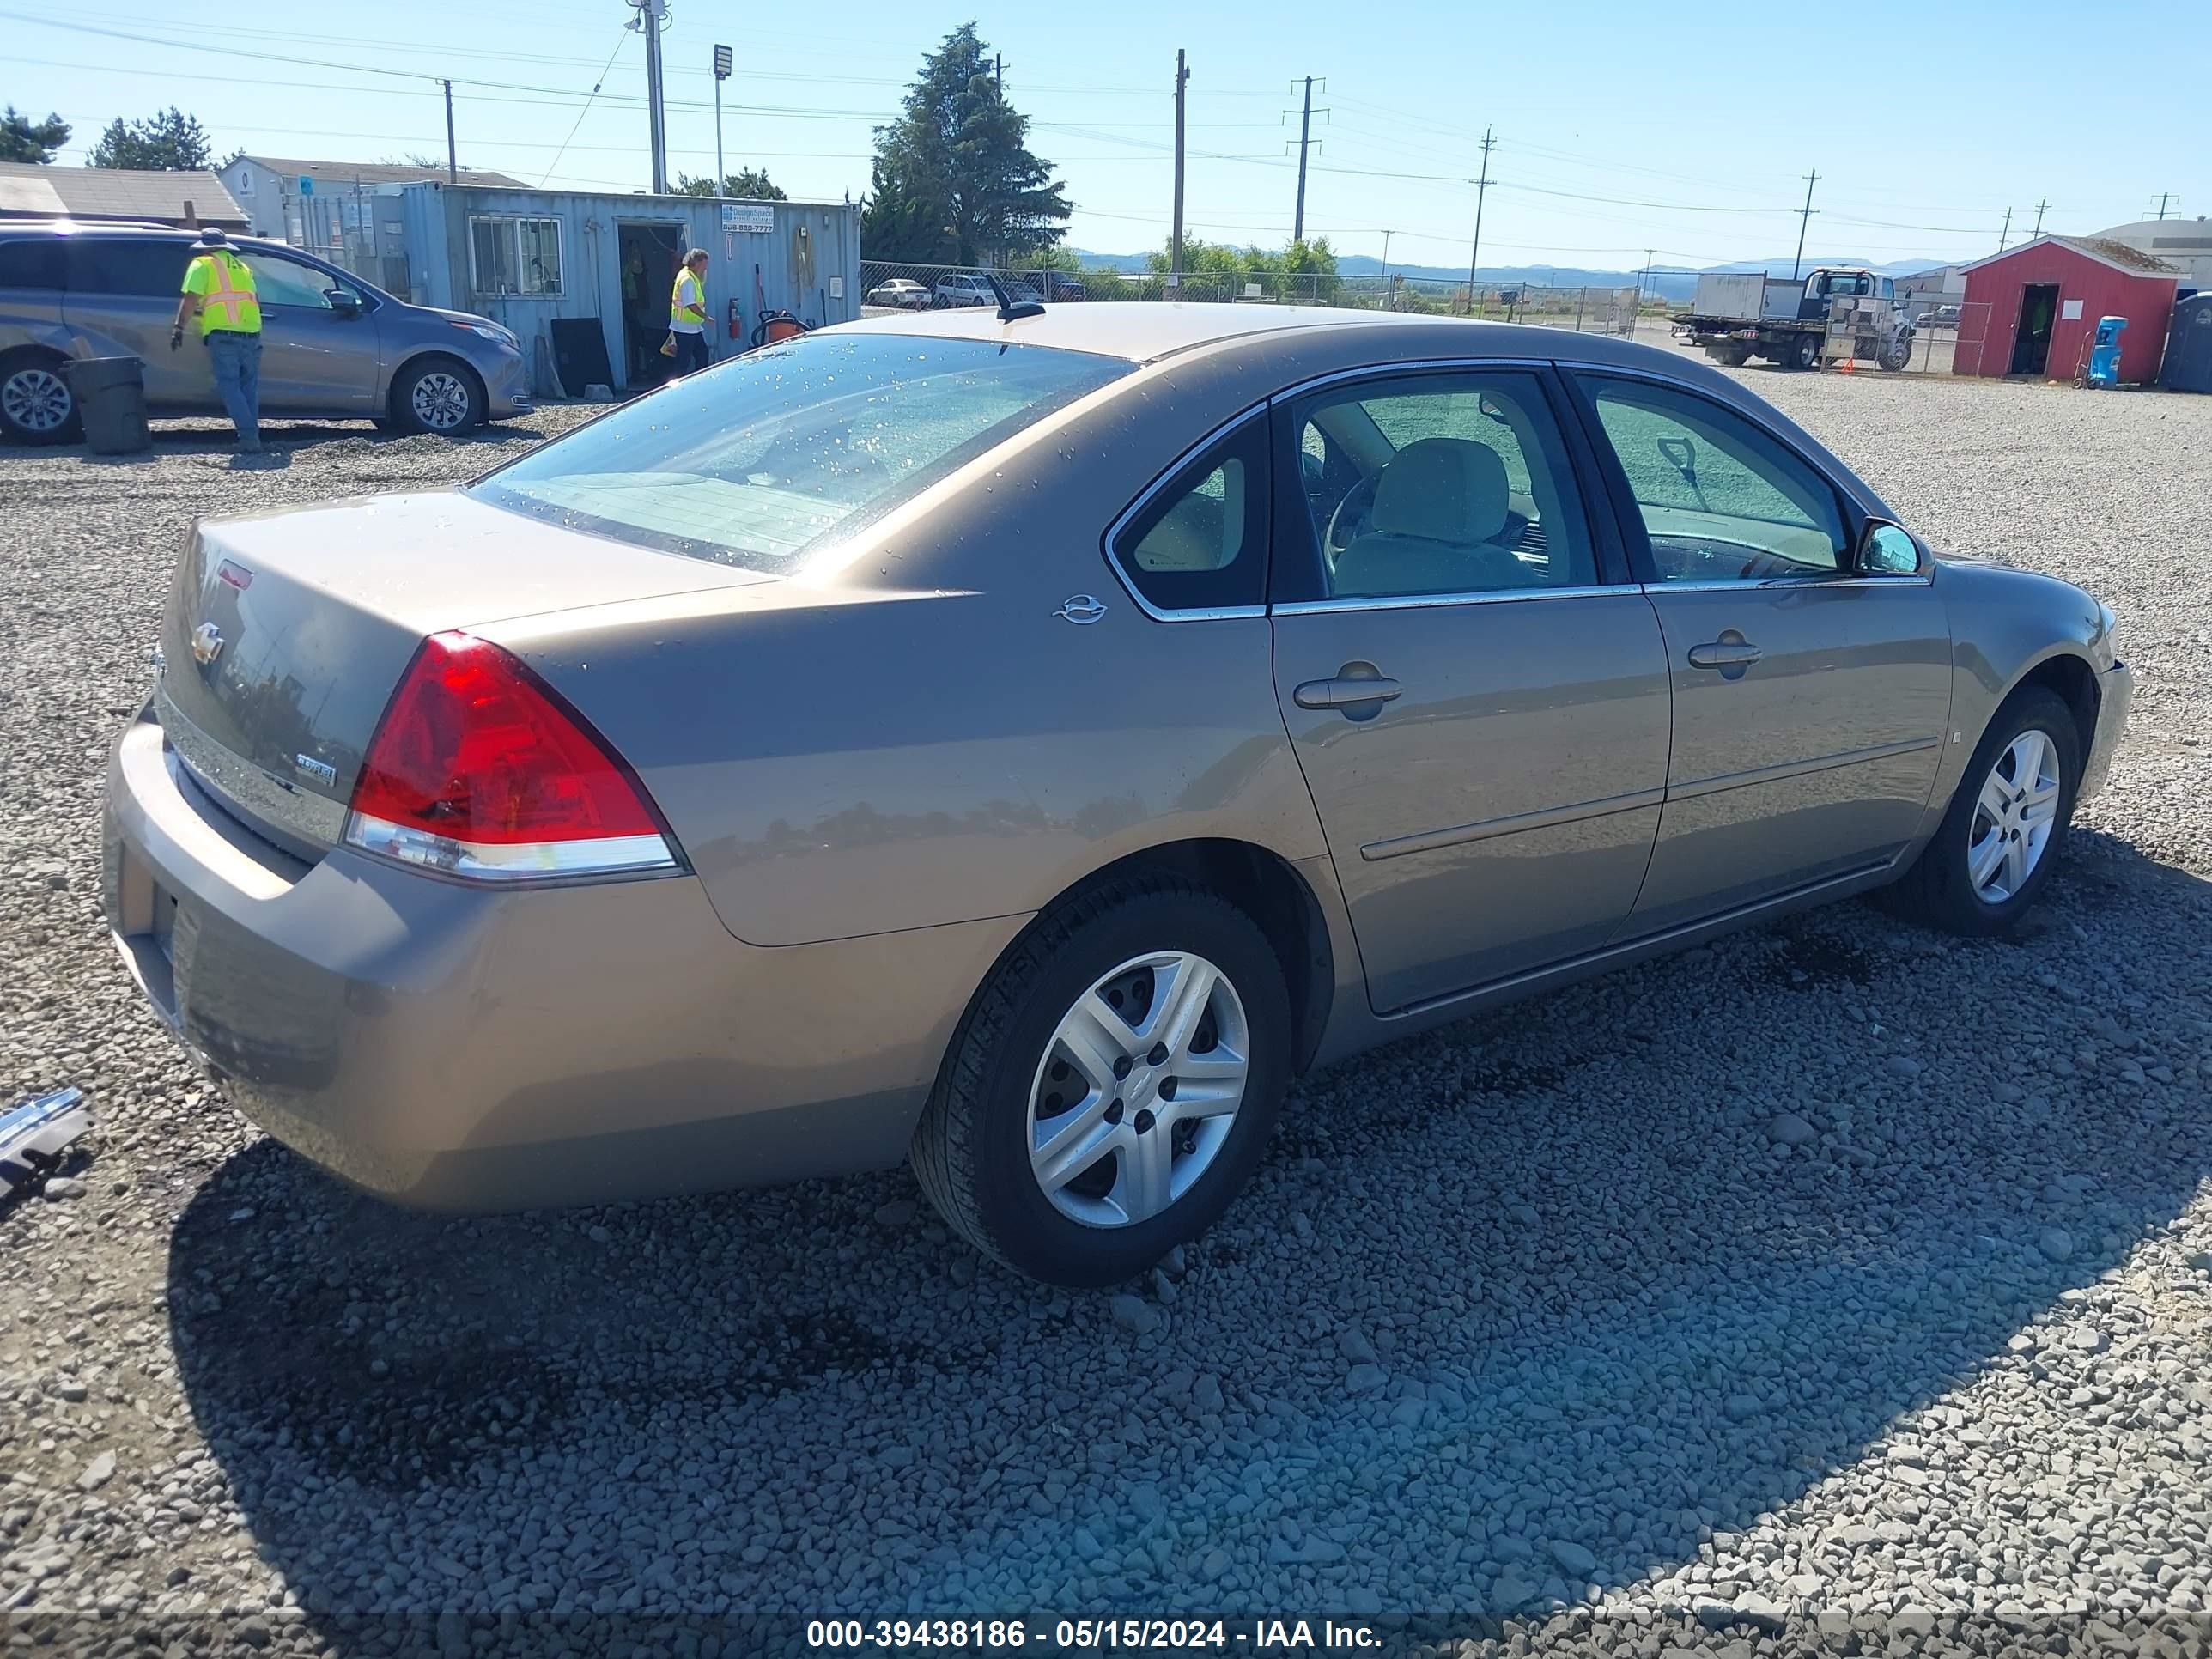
<point>1090,1635</point>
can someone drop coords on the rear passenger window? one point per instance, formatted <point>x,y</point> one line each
<point>1454,484</point>
<point>36,264</point>
<point>1200,543</point>
<point>117,265</point>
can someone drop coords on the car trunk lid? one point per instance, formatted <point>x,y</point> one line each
<point>286,633</point>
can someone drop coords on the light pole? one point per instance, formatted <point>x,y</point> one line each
<point>721,74</point>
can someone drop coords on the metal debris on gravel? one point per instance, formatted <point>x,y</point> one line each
<point>1674,1311</point>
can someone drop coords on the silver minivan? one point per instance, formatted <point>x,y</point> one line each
<point>333,346</point>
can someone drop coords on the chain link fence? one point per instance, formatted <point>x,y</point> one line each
<point>899,285</point>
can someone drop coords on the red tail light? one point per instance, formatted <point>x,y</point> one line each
<point>479,768</point>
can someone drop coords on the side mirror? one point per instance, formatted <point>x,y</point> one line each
<point>1887,549</point>
<point>342,301</point>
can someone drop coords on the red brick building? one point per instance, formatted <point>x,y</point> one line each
<point>2038,305</point>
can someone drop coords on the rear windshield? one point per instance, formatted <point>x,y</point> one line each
<point>772,455</point>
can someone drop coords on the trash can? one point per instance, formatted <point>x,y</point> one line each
<point>110,400</point>
<point>2104,352</point>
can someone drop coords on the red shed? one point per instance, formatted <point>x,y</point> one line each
<point>2034,309</point>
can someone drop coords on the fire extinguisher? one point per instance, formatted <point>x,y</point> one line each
<point>737,327</point>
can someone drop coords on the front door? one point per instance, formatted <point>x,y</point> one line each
<point>317,358</point>
<point>1481,716</point>
<point>2031,342</point>
<point>1810,699</point>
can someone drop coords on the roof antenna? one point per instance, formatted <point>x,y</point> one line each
<point>1008,310</point>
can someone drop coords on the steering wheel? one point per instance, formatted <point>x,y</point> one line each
<point>1350,518</point>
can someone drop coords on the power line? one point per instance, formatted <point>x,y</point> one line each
<point>580,114</point>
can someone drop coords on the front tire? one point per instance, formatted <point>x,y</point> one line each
<point>1113,1084</point>
<point>438,395</point>
<point>2006,828</point>
<point>36,404</point>
<point>1896,353</point>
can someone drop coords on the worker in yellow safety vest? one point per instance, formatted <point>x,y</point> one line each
<point>687,312</point>
<point>218,291</point>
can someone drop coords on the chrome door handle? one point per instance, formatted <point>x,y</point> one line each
<point>1347,690</point>
<point>1731,650</point>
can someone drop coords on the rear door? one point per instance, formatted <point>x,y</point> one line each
<point>315,358</point>
<point>1809,699</point>
<point>122,301</point>
<point>1477,694</point>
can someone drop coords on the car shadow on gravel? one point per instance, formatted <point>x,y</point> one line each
<point>1559,1282</point>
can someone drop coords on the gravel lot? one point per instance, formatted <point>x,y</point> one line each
<point>1837,1283</point>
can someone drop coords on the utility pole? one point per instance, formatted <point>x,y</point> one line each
<point>452,171</point>
<point>2038,231</point>
<point>2006,232</point>
<point>1482,190</point>
<point>2162,195</point>
<point>1175,236</point>
<point>650,16</point>
<point>998,71</point>
<point>1804,224</point>
<point>722,59</point>
<point>1389,303</point>
<point>1644,276</point>
<point>1305,133</point>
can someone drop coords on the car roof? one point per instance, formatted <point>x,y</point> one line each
<point>1143,330</point>
<point>94,230</point>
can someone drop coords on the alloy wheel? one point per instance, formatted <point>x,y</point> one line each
<point>441,400</point>
<point>1138,1090</point>
<point>36,400</point>
<point>2013,817</point>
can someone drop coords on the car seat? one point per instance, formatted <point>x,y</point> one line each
<point>1442,507</point>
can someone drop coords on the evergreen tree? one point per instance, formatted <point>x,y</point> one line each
<point>954,180</point>
<point>169,142</point>
<point>22,139</point>
<point>745,185</point>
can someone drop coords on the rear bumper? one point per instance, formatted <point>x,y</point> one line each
<point>457,1048</point>
<point>2116,693</point>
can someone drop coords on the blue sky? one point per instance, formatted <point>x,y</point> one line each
<point>1618,128</point>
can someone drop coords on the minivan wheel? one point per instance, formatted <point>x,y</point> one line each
<point>437,394</point>
<point>2006,827</point>
<point>1112,1085</point>
<point>36,405</point>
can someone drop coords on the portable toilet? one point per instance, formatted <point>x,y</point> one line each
<point>2104,351</point>
<point>2189,346</point>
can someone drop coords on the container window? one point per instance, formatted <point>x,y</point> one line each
<point>515,256</point>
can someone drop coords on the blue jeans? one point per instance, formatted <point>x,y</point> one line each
<point>237,359</point>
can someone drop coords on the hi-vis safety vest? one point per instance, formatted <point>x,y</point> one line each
<point>691,312</point>
<point>225,286</point>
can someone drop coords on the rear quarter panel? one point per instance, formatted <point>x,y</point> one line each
<point>917,738</point>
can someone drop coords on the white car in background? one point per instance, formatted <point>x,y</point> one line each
<point>901,292</point>
<point>963,289</point>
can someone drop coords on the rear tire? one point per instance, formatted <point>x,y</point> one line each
<point>1137,1175</point>
<point>36,404</point>
<point>1801,351</point>
<point>1896,354</point>
<point>440,395</point>
<point>1966,879</point>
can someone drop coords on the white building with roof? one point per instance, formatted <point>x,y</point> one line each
<point>2184,244</point>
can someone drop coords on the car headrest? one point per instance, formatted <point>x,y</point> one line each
<point>1442,490</point>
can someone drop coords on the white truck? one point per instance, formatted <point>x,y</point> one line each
<point>1836,312</point>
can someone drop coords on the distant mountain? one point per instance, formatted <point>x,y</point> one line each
<point>1667,281</point>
